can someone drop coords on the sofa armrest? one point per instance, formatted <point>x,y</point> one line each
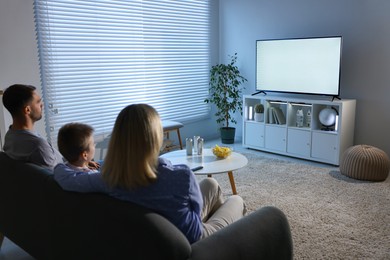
<point>263,234</point>
<point>1,239</point>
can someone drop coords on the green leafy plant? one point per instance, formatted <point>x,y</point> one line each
<point>259,108</point>
<point>225,91</point>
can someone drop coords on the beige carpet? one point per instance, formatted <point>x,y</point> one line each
<point>331,216</point>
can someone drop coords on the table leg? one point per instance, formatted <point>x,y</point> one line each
<point>232,183</point>
<point>179,137</point>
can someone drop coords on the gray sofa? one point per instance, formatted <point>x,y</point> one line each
<point>49,223</point>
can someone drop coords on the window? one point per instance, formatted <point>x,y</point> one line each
<point>97,57</point>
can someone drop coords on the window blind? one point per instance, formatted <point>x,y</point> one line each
<point>99,56</point>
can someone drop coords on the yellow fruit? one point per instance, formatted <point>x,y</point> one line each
<point>221,151</point>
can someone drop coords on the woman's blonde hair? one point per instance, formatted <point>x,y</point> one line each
<point>134,147</point>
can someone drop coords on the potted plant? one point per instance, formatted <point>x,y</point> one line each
<point>259,112</point>
<point>225,93</point>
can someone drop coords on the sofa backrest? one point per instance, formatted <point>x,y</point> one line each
<point>22,220</point>
<point>50,223</point>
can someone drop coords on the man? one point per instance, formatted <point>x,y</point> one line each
<point>21,141</point>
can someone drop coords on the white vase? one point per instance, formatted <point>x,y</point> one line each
<point>259,117</point>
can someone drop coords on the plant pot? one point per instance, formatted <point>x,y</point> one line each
<point>227,135</point>
<point>259,117</point>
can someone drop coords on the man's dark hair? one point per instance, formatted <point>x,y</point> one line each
<point>16,97</point>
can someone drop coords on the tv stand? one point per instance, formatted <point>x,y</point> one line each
<point>280,132</point>
<point>258,92</point>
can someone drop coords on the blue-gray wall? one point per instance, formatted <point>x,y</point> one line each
<point>365,27</point>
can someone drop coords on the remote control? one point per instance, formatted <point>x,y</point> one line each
<point>197,168</point>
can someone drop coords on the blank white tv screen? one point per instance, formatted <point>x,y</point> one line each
<point>307,65</point>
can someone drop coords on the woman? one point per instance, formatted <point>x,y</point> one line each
<point>132,171</point>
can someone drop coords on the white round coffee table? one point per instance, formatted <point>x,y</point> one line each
<point>211,164</point>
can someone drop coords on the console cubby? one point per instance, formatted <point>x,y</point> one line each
<point>292,111</point>
<point>308,140</point>
<point>249,108</point>
<point>316,122</point>
<point>275,112</point>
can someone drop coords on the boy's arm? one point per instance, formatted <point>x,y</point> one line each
<point>72,180</point>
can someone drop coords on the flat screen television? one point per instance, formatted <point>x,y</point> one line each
<point>299,65</point>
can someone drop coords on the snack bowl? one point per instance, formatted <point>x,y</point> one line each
<point>221,152</point>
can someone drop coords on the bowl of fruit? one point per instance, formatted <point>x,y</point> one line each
<point>222,152</point>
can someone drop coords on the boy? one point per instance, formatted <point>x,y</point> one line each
<point>76,144</point>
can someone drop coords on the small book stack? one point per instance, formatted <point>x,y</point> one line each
<point>276,116</point>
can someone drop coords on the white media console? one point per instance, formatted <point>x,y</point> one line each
<point>312,141</point>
